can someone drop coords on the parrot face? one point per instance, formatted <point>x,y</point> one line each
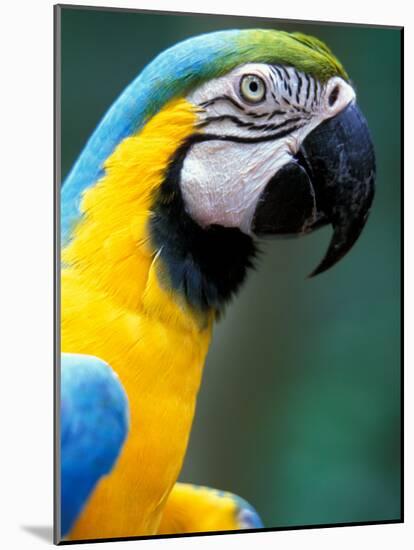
<point>279,153</point>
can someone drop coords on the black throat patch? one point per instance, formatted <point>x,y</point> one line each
<point>206,265</point>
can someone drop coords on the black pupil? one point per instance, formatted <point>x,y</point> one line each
<point>253,86</point>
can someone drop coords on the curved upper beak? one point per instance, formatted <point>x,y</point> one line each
<point>330,180</point>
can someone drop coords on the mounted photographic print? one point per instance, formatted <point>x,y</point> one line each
<point>228,282</point>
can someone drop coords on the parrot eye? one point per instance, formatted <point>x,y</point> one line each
<point>252,88</point>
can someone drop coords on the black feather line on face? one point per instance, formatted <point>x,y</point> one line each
<point>299,87</point>
<point>224,97</point>
<point>206,266</point>
<point>250,125</point>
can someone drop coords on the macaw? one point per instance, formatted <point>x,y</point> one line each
<point>221,140</point>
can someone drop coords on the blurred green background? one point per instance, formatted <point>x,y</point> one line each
<point>299,411</point>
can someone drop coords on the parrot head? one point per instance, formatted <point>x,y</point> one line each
<point>281,153</point>
<point>279,147</point>
<point>282,147</point>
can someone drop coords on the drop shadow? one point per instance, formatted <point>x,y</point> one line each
<point>44,532</point>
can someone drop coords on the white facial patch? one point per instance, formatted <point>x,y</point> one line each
<point>222,180</point>
<point>248,140</point>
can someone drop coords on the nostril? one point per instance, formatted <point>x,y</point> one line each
<point>333,96</point>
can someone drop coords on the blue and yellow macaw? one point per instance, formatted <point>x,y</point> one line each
<point>222,139</point>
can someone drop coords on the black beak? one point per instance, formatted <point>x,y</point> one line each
<point>330,180</point>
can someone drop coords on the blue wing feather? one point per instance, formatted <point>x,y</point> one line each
<point>247,517</point>
<point>94,424</point>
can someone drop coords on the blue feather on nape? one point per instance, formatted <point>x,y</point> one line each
<point>94,422</point>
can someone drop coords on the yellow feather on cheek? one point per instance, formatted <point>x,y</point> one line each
<point>114,306</point>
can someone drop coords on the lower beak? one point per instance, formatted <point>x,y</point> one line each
<point>330,180</point>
